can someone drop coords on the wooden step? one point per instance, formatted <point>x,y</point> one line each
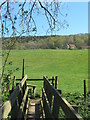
<point>34,111</point>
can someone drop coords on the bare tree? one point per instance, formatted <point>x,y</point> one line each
<point>23,13</point>
<point>18,18</point>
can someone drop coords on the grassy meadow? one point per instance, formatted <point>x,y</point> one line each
<point>71,66</point>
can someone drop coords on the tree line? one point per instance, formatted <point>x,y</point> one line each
<point>47,42</point>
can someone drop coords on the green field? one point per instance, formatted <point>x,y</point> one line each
<point>71,66</point>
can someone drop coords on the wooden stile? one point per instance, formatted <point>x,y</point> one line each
<point>52,101</point>
<point>59,101</point>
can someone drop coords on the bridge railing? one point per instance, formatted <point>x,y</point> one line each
<point>52,101</point>
<point>16,105</point>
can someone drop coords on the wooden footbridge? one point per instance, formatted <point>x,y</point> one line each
<point>51,104</point>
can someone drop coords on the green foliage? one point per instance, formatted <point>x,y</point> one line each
<point>77,98</point>
<point>7,79</point>
<point>5,96</point>
<point>48,42</point>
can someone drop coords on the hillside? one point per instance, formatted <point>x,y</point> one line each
<point>80,41</point>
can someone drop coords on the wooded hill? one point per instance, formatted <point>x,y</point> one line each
<point>80,41</point>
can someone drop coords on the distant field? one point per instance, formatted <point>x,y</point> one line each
<point>71,66</point>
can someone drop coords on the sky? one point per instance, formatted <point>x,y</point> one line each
<point>77,19</point>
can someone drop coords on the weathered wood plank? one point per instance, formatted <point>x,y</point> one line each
<point>34,109</point>
<point>49,95</point>
<point>30,85</point>
<point>21,110</point>
<point>67,108</point>
<point>14,110</point>
<point>6,108</point>
<point>33,79</point>
<point>46,107</point>
<point>33,86</point>
<point>56,106</point>
<point>27,107</point>
<point>42,111</point>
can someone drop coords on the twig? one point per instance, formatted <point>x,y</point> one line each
<point>47,11</point>
<point>2,4</point>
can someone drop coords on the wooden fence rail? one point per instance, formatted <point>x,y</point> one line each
<point>34,79</point>
<point>53,101</point>
<point>17,102</point>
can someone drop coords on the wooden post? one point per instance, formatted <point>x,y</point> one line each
<point>34,88</point>
<point>53,80</point>
<point>56,81</point>
<point>84,90</point>
<point>23,70</point>
<point>13,83</point>
<point>8,83</point>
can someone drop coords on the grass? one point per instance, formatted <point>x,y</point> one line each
<point>71,66</point>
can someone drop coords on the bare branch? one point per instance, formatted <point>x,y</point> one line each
<point>2,4</point>
<point>10,18</point>
<point>46,10</point>
<point>30,13</point>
